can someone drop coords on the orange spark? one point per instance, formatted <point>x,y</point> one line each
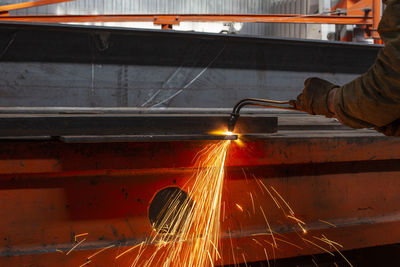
<point>100,251</point>
<point>329,242</point>
<point>289,243</point>
<point>223,212</point>
<point>284,201</point>
<point>296,219</point>
<point>74,247</point>
<point>257,242</point>
<point>128,250</point>
<point>239,207</point>
<point>266,256</point>
<point>79,235</point>
<point>252,202</point>
<point>351,265</point>
<point>269,227</point>
<point>86,263</point>
<point>260,234</point>
<point>244,259</point>
<point>273,198</point>
<point>324,249</point>
<point>333,242</point>
<point>331,224</point>
<point>233,253</point>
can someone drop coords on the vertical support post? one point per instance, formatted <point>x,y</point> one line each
<point>376,18</point>
<point>323,7</point>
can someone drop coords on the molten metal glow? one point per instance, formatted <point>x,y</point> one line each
<point>194,226</point>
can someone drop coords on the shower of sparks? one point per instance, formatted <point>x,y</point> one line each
<point>289,213</point>
<point>192,238</point>
<point>188,233</point>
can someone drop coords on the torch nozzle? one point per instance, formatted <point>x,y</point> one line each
<point>232,122</point>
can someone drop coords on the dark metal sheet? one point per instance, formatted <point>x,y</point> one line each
<point>143,138</point>
<point>88,66</point>
<point>112,45</point>
<point>125,124</point>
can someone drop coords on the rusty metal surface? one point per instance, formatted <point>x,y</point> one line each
<point>51,191</point>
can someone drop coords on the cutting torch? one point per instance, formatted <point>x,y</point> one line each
<point>266,103</point>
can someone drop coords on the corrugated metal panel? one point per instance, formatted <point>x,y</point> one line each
<point>193,6</point>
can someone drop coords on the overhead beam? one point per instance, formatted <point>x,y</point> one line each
<point>175,19</point>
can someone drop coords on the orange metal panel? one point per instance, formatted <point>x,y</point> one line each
<point>361,8</point>
<point>353,7</point>
<point>50,191</point>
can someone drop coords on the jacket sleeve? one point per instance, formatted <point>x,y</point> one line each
<point>373,99</point>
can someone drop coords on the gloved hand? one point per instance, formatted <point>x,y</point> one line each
<point>392,129</point>
<point>314,98</point>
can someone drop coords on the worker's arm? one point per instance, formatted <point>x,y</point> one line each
<point>371,100</point>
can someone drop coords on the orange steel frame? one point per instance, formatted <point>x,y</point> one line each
<point>358,12</point>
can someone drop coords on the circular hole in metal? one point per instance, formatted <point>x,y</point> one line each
<point>169,210</point>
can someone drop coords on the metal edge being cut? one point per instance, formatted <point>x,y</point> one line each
<point>128,127</point>
<point>145,138</point>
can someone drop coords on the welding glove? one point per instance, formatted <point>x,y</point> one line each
<point>314,98</point>
<point>392,129</point>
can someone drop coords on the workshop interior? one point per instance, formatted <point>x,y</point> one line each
<point>169,133</point>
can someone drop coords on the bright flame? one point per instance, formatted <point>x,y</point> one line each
<point>193,237</point>
<point>220,132</point>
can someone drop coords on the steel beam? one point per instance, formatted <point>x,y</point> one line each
<point>144,138</point>
<point>119,67</point>
<point>14,125</point>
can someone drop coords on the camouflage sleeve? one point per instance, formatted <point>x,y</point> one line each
<point>373,99</point>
